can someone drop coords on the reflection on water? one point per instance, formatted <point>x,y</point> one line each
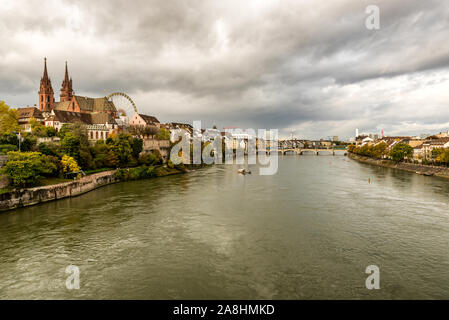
<point>307,232</point>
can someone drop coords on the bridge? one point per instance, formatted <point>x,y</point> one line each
<point>301,151</point>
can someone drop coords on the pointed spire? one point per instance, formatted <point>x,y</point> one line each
<point>66,77</point>
<point>46,98</point>
<point>66,89</point>
<point>45,77</point>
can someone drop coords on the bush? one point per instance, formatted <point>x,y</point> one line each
<point>122,174</point>
<point>69,164</point>
<point>149,159</point>
<point>9,138</point>
<point>5,148</point>
<point>49,149</point>
<point>142,172</point>
<point>25,168</point>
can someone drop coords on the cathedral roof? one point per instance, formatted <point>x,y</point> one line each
<point>76,117</point>
<point>94,104</point>
<point>69,117</point>
<point>101,118</point>
<point>63,105</point>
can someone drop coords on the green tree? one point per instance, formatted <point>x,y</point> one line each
<point>25,168</point>
<point>163,134</point>
<point>70,145</point>
<point>380,150</point>
<point>8,119</point>
<point>401,151</point>
<point>137,146</point>
<point>122,146</point>
<point>49,149</point>
<point>111,160</point>
<point>28,142</point>
<point>440,155</point>
<point>77,129</point>
<point>39,130</point>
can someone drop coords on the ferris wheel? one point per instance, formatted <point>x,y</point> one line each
<point>123,103</point>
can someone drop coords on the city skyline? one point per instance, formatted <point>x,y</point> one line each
<point>256,65</point>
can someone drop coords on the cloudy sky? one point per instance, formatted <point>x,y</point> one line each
<point>306,66</point>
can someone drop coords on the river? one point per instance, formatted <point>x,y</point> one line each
<point>307,232</point>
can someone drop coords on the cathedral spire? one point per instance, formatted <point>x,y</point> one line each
<point>66,89</point>
<point>66,77</point>
<point>46,96</point>
<point>45,76</point>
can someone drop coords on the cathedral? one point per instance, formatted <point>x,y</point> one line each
<point>68,101</point>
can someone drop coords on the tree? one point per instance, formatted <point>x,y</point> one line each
<point>137,145</point>
<point>39,130</point>
<point>99,152</point>
<point>441,155</point>
<point>163,134</point>
<point>69,164</point>
<point>380,150</point>
<point>8,119</point>
<point>28,142</point>
<point>79,130</point>
<point>122,146</point>
<point>111,160</point>
<point>70,145</point>
<point>151,131</point>
<point>25,168</point>
<point>49,148</point>
<point>401,151</point>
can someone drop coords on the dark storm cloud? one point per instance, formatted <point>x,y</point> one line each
<point>268,64</point>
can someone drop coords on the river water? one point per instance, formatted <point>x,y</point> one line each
<point>307,232</point>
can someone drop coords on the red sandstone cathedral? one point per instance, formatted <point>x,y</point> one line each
<point>67,100</point>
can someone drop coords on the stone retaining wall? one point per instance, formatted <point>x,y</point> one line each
<point>27,197</point>
<point>4,182</point>
<point>161,145</point>
<point>3,160</point>
<point>442,172</point>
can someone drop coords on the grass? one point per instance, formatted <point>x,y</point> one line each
<point>97,170</point>
<point>6,190</point>
<point>51,181</point>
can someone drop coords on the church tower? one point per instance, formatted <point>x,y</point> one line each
<point>66,89</point>
<point>46,95</point>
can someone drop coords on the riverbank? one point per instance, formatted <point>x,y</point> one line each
<point>31,196</point>
<point>442,172</point>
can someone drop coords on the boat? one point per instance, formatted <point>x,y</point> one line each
<point>244,171</point>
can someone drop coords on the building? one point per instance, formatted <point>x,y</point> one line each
<point>28,113</point>
<point>429,145</point>
<point>99,125</point>
<point>179,129</point>
<point>142,120</point>
<point>68,101</point>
